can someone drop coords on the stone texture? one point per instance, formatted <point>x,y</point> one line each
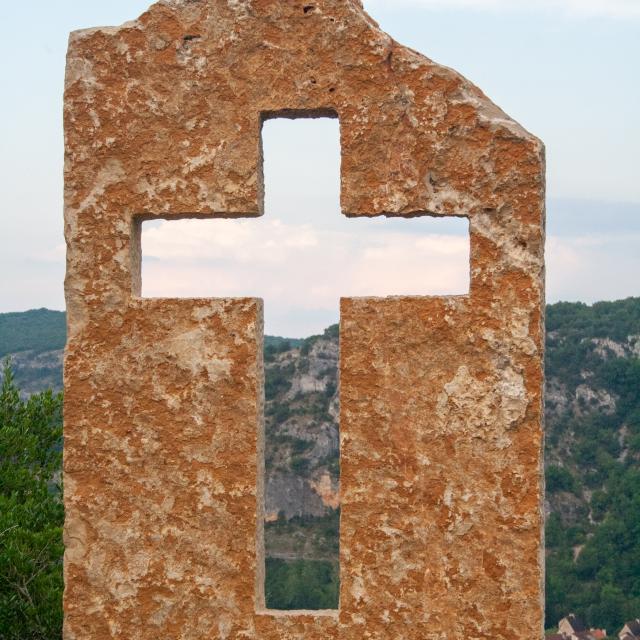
<point>441,398</point>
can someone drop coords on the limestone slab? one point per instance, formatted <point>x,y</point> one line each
<point>441,398</point>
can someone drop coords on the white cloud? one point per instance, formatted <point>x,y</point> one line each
<point>263,241</point>
<point>301,272</point>
<point>610,8</point>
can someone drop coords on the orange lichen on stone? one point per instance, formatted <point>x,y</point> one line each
<point>441,398</point>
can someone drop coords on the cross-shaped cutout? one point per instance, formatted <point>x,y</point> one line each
<point>302,256</point>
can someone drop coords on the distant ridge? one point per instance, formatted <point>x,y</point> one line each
<point>38,330</point>
<point>41,330</point>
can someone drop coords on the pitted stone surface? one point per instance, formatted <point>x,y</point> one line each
<point>441,398</point>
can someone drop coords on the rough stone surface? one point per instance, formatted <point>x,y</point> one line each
<point>441,398</point>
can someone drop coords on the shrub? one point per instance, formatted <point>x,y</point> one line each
<point>301,584</point>
<point>559,479</point>
<point>31,514</point>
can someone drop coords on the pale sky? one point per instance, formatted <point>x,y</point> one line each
<point>565,69</point>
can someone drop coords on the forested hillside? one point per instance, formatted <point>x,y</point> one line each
<point>592,458</point>
<point>34,340</point>
<point>593,461</point>
<point>38,331</point>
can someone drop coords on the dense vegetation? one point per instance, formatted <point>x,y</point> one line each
<point>275,344</point>
<point>301,584</point>
<point>593,478</point>
<point>595,569</point>
<point>312,580</point>
<point>31,514</point>
<point>593,483</point>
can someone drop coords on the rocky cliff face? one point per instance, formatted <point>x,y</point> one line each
<point>591,418</point>
<point>583,416</point>
<point>301,424</point>
<point>33,341</point>
<point>36,371</point>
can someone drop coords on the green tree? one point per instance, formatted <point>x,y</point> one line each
<point>560,479</point>
<point>31,514</point>
<point>301,584</point>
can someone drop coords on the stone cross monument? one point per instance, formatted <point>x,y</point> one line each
<point>441,397</point>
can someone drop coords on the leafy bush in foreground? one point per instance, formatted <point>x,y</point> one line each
<point>31,514</point>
